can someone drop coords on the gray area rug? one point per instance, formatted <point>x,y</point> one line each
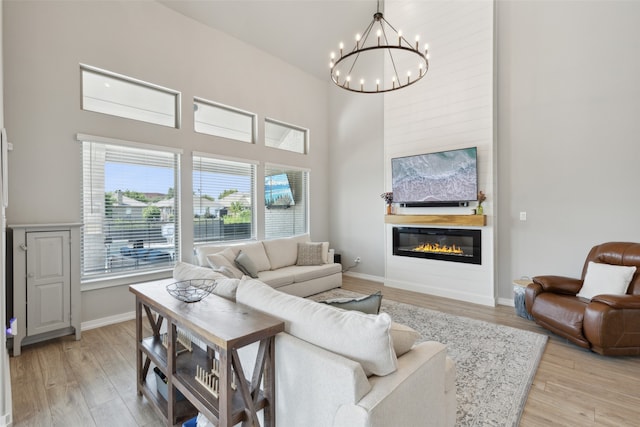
<point>495,364</point>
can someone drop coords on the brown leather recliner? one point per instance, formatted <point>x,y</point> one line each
<point>608,324</point>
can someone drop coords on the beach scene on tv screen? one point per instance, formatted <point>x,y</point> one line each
<point>435,177</point>
<point>277,191</point>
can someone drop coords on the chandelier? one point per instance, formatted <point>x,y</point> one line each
<point>359,69</point>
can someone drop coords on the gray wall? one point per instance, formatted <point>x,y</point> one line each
<point>568,107</point>
<point>45,41</point>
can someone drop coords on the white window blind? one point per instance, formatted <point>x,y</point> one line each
<point>286,201</point>
<point>223,199</point>
<point>220,120</point>
<point>129,209</point>
<point>285,137</point>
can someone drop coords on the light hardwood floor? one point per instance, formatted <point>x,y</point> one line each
<point>92,382</point>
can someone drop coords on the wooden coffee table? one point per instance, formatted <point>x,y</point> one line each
<point>223,327</point>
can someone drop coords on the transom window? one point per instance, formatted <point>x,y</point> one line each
<point>117,95</point>
<point>285,137</point>
<point>223,199</point>
<point>129,208</point>
<point>220,120</point>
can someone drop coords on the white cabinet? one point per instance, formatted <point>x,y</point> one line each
<point>46,282</point>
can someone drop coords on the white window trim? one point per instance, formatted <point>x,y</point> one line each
<point>307,134</point>
<point>254,121</point>
<point>127,279</point>
<point>81,137</point>
<point>177,94</point>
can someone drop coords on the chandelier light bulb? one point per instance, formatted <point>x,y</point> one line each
<point>417,41</point>
<point>377,85</point>
<point>420,66</point>
<point>399,37</point>
<point>428,55</point>
<point>358,36</point>
<point>361,84</point>
<point>332,56</point>
<point>330,64</point>
<point>408,77</point>
<point>379,33</point>
<point>393,82</point>
<point>348,80</point>
<point>341,47</point>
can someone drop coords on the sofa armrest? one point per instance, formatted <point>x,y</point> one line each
<point>409,396</point>
<point>559,284</point>
<point>612,324</point>
<point>619,301</point>
<point>312,383</point>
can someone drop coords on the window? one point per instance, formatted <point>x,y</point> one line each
<point>223,199</point>
<point>129,208</point>
<point>286,201</point>
<point>220,120</point>
<point>122,96</point>
<point>285,137</point>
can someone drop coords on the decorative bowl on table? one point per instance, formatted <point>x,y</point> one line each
<point>192,290</point>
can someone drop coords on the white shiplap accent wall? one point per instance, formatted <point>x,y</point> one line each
<point>451,107</point>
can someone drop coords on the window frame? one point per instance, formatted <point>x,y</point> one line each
<point>228,108</point>
<point>137,82</point>
<point>254,174</point>
<point>305,131</point>
<point>306,197</point>
<point>106,279</point>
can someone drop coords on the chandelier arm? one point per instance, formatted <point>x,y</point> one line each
<point>386,40</point>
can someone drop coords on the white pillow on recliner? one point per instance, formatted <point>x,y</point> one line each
<point>606,279</point>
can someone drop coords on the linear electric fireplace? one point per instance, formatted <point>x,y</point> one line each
<point>445,244</point>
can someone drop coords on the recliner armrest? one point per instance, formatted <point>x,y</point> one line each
<point>559,284</point>
<point>619,301</point>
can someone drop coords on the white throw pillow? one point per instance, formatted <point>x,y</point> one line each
<point>403,338</point>
<point>225,287</point>
<point>258,256</point>
<point>363,338</point>
<point>606,279</point>
<point>218,260</point>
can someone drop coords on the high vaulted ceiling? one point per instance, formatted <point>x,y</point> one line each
<point>300,32</point>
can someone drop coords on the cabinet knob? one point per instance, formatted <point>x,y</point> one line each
<point>23,246</point>
<point>30,275</point>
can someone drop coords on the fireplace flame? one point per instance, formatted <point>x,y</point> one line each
<point>437,249</point>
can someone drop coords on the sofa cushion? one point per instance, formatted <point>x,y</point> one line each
<point>225,287</point>
<point>246,265</point>
<point>369,304</point>
<point>606,279</point>
<point>310,254</point>
<point>256,252</point>
<point>364,338</point>
<point>276,278</point>
<point>305,273</point>
<point>218,260</point>
<point>283,252</point>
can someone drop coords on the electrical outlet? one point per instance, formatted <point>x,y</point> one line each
<point>357,260</point>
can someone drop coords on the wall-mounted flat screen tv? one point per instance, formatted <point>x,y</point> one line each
<point>446,178</point>
<point>277,191</point>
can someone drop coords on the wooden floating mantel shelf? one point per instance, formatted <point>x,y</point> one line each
<point>465,220</point>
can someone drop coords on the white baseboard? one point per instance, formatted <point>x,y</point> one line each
<point>106,321</point>
<point>506,301</point>
<point>365,276</point>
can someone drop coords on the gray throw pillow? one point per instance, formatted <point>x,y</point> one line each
<point>369,304</point>
<point>310,254</point>
<point>244,263</point>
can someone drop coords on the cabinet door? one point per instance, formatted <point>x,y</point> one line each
<point>48,281</point>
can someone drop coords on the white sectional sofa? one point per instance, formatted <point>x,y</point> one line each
<point>277,263</point>
<point>338,368</point>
